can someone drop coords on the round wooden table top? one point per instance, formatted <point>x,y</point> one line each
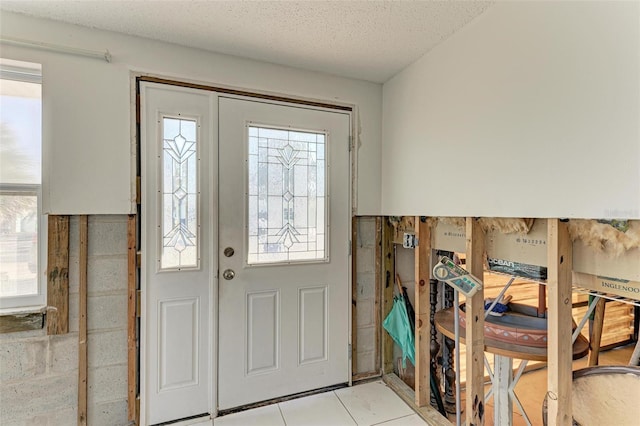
<point>445,324</point>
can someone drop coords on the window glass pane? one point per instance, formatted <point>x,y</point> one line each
<point>180,199</point>
<point>285,195</point>
<point>21,130</point>
<point>20,180</point>
<point>18,244</point>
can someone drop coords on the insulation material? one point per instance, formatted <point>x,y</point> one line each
<point>459,222</point>
<point>506,225</point>
<point>402,225</point>
<point>605,237</point>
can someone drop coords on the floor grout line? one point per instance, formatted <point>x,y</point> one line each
<point>345,407</point>
<point>396,418</point>
<point>282,415</point>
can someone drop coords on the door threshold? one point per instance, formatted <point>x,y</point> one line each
<point>185,421</point>
<point>281,399</point>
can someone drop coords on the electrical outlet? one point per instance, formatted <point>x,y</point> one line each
<point>409,240</point>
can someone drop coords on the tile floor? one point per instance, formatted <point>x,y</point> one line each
<point>366,404</point>
<point>374,403</point>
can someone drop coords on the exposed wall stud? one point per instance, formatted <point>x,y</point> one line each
<point>388,274</point>
<point>378,293</point>
<point>422,307</point>
<point>132,353</point>
<point>475,327</point>
<point>559,263</point>
<point>595,332</point>
<point>58,275</point>
<point>82,317</point>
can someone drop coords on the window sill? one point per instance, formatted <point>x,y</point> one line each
<point>22,319</point>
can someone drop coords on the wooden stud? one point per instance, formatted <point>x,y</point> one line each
<point>378,294</point>
<point>542,300</point>
<point>132,352</point>
<point>365,376</point>
<point>559,264</point>
<point>423,310</point>
<point>429,414</point>
<point>22,321</point>
<point>502,380</point>
<point>83,225</point>
<point>474,332</point>
<point>595,332</point>
<point>58,275</point>
<point>388,274</point>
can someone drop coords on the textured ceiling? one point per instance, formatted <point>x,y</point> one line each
<point>368,40</point>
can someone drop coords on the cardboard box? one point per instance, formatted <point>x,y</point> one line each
<point>593,262</point>
<point>523,255</point>
<point>619,287</point>
<point>449,238</point>
<point>526,255</point>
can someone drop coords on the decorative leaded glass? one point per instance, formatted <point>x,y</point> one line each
<point>179,212</point>
<point>286,196</point>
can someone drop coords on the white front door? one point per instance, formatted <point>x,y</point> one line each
<point>284,261</point>
<point>274,179</point>
<point>178,227</point>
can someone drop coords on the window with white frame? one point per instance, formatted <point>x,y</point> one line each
<point>21,222</point>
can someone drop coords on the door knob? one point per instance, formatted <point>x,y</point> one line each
<point>228,274</point>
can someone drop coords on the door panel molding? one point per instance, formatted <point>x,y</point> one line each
<point>179,328</point>
<point>314,310</point>
<point>263,337</point>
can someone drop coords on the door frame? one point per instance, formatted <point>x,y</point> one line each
<point>139,366</point>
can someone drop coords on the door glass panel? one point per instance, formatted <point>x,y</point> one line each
<point>180,198</point>
<point>286,196</point>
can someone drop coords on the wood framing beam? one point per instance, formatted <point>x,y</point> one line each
<point>132,352</point>
<point>423,309</point>
<point>559,264</point>
<point>83,226</point>
<point>474,331</point>
<point>428,413</point>
<point>388,276</point>
<point>378,294</point>
<point>595,332</point>
<point>22,321</point>
<point>58,275</point>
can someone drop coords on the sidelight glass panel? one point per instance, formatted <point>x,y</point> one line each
<point>180,198</point>
<point>284,194</point>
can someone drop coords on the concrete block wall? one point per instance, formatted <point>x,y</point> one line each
<point>365,296</point>
<point>39,373</point>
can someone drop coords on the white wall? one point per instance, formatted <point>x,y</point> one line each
<point>531,110</point>
<point>86,116</point>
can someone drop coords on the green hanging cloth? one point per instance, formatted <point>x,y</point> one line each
<point>397,325</point>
